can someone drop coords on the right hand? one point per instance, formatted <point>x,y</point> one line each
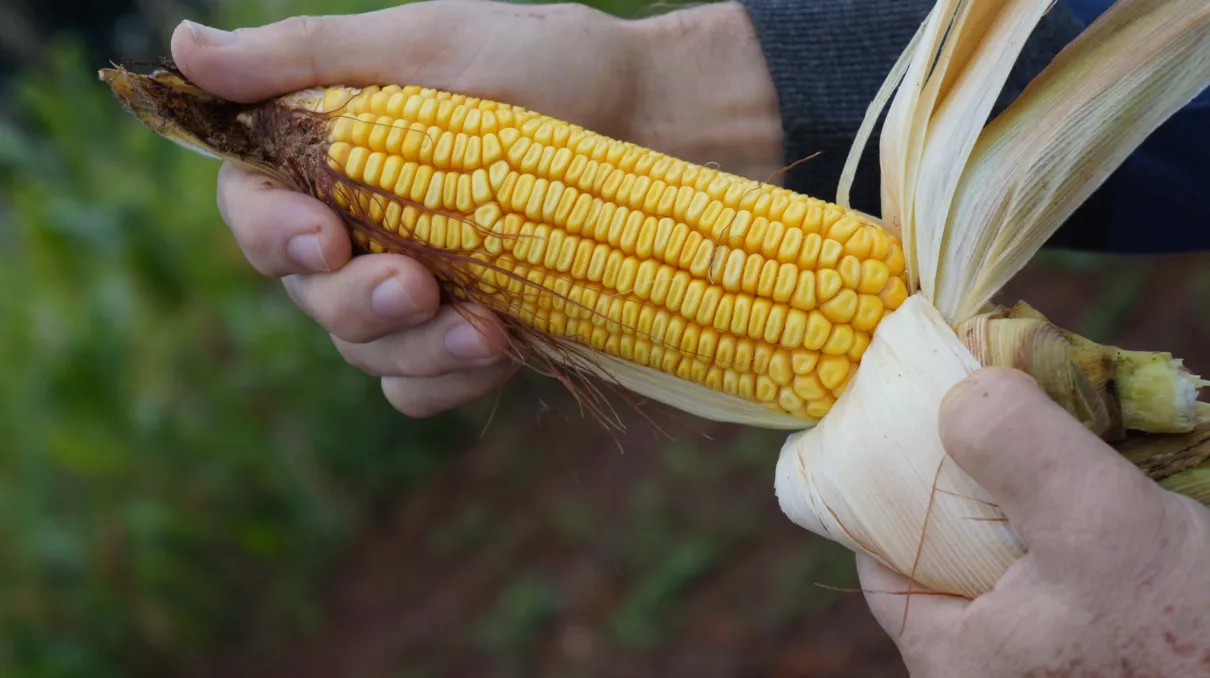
<point>692,84</point>
<point>1116,581</point>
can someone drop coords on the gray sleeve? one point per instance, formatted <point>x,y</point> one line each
<point>829,57</point>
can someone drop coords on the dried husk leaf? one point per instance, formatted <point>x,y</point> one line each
<point>1193,483</point>
<point>990,37</point>
<point>873,111</point>
<point>903,132</point>
<point>1040,349</point>
<point>1108,389</point>
<point>972,210</point>
<point>1037,162</point>
<point>874,476</point>
<point>1171,459</point>
<point>681,394</point>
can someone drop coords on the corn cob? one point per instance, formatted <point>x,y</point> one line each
<point>725,297</point>
<point>738,286</point>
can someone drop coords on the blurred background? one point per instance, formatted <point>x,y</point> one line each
<point>192,483</point>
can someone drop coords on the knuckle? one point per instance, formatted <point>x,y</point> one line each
<point>292,284</point>
<point>415,353</point>
<point>355,356</point>
<point>484,381</point>
<point>572,12</point>
<point>402,395</point>
<point>310,299</point>
<point>306,30</point>
<point>301,27</point>
<point>269,269</point>
<point>345,323</point>
<point>419,411</point>
<point>258,244</point>
<point>332,300</point>
<point>261,261</point>
<point>318,299</point>
<point>223,183</point>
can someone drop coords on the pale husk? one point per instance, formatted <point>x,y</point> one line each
<point>865,476</point>
<point>973,205</point>
<point>681,394</point>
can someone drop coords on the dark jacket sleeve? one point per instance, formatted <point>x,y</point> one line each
<point>828,58</point>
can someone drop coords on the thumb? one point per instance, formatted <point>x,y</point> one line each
<point>253,64</point>
<point>1063,488</point>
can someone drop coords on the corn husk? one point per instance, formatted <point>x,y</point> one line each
<point>1110,390</point>
<point>973,203</point>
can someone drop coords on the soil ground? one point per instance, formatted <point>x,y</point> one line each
<point>547,550</point>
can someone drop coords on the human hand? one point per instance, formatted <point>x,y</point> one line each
<point>692,83</point>
<point>1117,578</point>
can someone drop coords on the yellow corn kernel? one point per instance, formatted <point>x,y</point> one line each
<point>752,291</point>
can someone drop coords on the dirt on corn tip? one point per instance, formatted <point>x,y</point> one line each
<point>274,137</point>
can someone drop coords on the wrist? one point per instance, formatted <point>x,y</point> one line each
<point>705,94</point>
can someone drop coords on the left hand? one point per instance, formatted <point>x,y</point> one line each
<point>692,83</point>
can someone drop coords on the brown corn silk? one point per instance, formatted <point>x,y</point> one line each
<point>973,200</point>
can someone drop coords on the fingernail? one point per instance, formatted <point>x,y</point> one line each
<point>391,300</point>
<point>465,342</point>
<point>210,37</point>
<point>306,251</point>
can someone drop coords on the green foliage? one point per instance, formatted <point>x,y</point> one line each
<point>519,614</point>
<point>641,617</point>
<point>183,450</point>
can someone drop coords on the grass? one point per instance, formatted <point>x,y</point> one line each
<point>182,446</point>
<point>184,453</point>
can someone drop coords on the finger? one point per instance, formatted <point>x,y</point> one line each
<point>1060,486</point>
<point>450,342</point>
<point>253,64</point>
<point>887,594</point>
<point>420,397</point>
<point>281,231</point>
<point>373,296</point>
<point>449,44</point>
